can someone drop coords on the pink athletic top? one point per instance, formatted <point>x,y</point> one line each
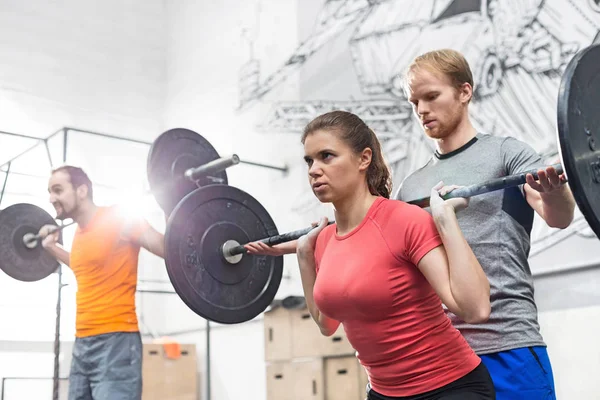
<point>368,280</point>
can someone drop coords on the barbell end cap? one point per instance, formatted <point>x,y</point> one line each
<point>30,240</point>
<point>235,159</point>
<point>226,251</point>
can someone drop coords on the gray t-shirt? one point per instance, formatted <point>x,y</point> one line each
<point>497,226</point>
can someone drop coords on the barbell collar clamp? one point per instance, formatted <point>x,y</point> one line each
<point>30,240</point>
<point>232,258</point>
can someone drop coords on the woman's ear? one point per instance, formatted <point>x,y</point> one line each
<point>365,159</point>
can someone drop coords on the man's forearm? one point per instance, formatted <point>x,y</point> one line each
<point>59,253</point>
<point>558,207</point>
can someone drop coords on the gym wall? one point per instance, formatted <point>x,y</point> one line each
<point>136,68</point>
<point>93,64</point>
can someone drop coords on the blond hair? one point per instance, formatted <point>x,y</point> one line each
<point>448,62</point>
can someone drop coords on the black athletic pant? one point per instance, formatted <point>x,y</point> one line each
<point>476,385</point>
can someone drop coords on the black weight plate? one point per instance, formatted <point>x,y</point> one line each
<point>579,131</point>
<point>17,260</point>
<point>170,155</point>
<point>208,284</point>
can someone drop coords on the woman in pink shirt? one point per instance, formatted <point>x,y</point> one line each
<point>385,267</point>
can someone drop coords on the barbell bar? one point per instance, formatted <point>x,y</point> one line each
<point>231,250</point>
<point>488,186</point>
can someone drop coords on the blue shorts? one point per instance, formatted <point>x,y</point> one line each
<point>107,367</point>
<point>523,373</point>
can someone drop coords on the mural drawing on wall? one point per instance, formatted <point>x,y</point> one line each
<point>517,50</point>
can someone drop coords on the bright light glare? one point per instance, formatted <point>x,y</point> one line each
<point>135,205</point>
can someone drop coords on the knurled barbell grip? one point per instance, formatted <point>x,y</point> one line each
<point>496,184</point>
<point>272,241</point>
<point>487,186</point>
<point>212,167</point>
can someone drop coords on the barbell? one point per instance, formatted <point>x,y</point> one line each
<point>209,221</point>
<point>21,254</point>
<point>204,251</point>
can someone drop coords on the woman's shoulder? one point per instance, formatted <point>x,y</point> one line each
<point>327,233</point>
<point>394,209</point>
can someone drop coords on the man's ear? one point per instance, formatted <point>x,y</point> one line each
<point>82,191</point>
<point>465,92</point>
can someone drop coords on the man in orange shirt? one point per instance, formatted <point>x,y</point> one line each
<point>107,355</point>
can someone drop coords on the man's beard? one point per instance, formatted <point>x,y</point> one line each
<point>64,214</point>
<point>443,130</point>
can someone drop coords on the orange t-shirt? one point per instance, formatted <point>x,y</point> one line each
<point>104,259</point>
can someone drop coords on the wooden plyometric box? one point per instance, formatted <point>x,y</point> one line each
<point>296,380</point>
<point>342,379</point>
<point>307,340</point>
<point>280,381</point>
<point>306,336</point>
<point>167,378</point>
<point>278,332</point>
<point>308,380</point>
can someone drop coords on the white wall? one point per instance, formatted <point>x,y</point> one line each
<point>572,335</point>
<point>95,64</point>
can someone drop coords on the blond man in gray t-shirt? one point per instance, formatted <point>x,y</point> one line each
<point>497,225</point>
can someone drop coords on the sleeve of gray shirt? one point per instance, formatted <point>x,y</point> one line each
<point>519,156</point>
